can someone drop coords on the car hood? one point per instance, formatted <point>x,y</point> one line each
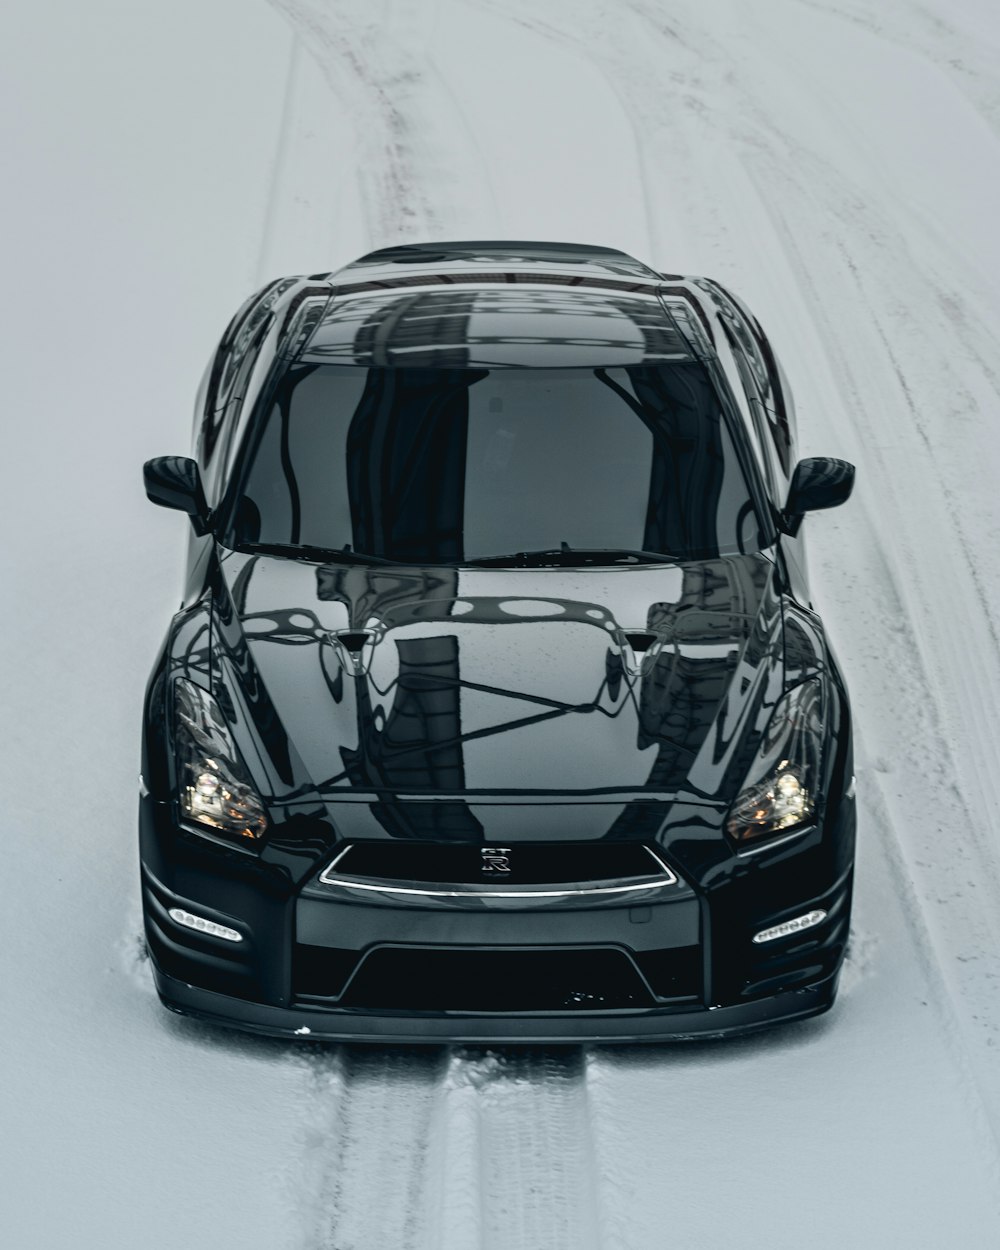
<point>502,685</point>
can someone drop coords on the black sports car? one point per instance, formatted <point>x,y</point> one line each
<point>496,708</point>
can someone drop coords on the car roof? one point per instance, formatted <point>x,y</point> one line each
<point>499,304</point>
<point>584,260</point>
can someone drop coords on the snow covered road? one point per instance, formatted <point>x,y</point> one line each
<point>837,163</point>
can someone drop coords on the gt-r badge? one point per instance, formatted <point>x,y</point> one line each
<point>495,858</point>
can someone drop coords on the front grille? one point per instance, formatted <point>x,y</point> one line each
<point>525,863</point>
<point>427,979</point>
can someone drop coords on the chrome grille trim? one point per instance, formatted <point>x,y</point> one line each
<point>664,876</point>
<point>480,892</point>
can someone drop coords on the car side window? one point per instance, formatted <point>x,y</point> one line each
<point>764,368</point>
<point>247,380</point>
<point>736,374</point>
<point>746,339</point>
<point>220,378</point>
<point>754,403</point>
<point>228,379</point>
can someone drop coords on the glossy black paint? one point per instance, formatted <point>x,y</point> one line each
<point>817,483</point>
<point>456,715</point>
<point>174,482</point>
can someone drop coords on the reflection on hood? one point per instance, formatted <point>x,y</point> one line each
<point>450,682</point>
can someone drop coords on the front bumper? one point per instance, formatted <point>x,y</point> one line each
<point>657,1025</point>
<point>677,985</point>
<point>695,972</point>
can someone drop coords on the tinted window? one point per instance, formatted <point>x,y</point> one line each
<point>445,465</point>
<point>762,371</point>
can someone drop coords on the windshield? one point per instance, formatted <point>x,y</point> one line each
<point>449,466</point>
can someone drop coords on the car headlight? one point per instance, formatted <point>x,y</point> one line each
<point>213,786</point>
<point>780,792</point>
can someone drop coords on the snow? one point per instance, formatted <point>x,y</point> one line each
<point>836,163</point>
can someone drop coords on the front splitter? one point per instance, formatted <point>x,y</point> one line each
<point>345,1025</point>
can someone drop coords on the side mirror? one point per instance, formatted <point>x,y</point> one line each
<point>174,482</point>
<point>819,482</point>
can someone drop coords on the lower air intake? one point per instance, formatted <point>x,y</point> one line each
<point>422,979</point>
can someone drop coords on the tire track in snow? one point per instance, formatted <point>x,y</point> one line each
<point>455,1149</point>
<point>413,149</point>
<point>369,90</point>
<point>928,953</point>
<point>581,33</point>
<point>969,60</point>
<point>659,95</point>
<point>366,1145</point>
<point>536,1164</point>
<point>278,164</point>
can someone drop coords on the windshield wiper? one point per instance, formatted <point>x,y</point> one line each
<point>565,556</point>
<point>305,551</point>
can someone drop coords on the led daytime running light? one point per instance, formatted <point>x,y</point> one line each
<point>789,927</point>
<point>185,918</point>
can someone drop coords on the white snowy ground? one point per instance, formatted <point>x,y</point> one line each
<point>838,164</point>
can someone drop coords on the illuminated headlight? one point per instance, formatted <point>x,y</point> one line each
<point>780,791</point>
<point>213,787</point>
